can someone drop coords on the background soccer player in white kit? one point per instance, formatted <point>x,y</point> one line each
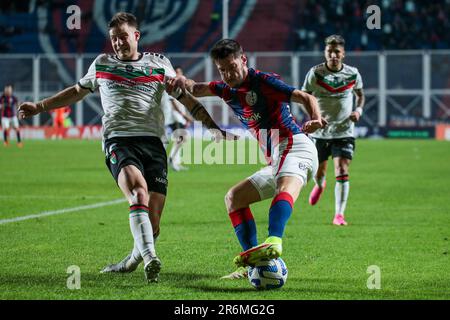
<point>131,85</point>
<point>178,119</point>
<point>333,83</point>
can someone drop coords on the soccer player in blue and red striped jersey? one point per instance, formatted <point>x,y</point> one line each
<point>261,102</point>
<point>8,106</point>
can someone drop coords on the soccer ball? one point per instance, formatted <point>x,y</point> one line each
<point>268,274</point>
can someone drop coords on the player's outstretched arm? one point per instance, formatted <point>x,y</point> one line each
<point>200,89</point>
<point>63,98</point>
<point>312,107</point>
<point>199,113</point>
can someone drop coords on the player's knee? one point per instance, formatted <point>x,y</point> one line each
<point>232,199</point>
<point>341,170</point>
<point>140,196</point>
<point>228,198</point>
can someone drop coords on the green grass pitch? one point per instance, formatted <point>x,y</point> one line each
<point>398,214</point>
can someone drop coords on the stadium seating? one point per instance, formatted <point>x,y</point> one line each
<point>291,25</point>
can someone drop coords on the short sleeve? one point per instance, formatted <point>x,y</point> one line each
<point>89,81</point>
<point>276,88</point>
<point>218,88</point>
<point>359,82</point>
<point>169,71</point>
<point>309,80</point>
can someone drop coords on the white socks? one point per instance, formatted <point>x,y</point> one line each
<point>142,231</point>
<point>341,191</point>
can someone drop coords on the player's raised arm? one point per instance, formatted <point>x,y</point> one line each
<point>312,107</point>
<point>63,98</point>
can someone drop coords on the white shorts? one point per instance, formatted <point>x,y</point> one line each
<point>297,158</point>
<point>8,122</point>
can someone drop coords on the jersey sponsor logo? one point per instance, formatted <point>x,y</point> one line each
<point>251,98</point>
<point>253,117</point>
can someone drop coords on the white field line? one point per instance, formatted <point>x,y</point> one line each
<point>18,196</point>
<point>61,211</point>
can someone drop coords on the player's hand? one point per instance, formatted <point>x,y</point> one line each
<point>219,134</point>
<point>28,109</point>
<point>354,116</point>
<point>312,125</point>
<point>175,83</point>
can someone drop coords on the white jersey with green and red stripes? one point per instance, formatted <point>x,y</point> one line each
<point>130,93</point>
<point>334,93</point>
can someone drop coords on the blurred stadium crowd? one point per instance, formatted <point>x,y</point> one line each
<point>290,25</point>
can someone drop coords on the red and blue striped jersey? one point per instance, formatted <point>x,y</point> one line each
<point>8,106</point>
<point>260,103</point>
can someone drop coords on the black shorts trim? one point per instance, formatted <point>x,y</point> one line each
<point>146,153</point>
<point>341,147</point>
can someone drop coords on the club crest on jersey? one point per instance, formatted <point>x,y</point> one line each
<point>251,98</point>
<point>146,70</point>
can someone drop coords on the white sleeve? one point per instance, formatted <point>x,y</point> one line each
<point>89,81</point>
<point>169,71</point>
<point>308,84</point>
<point>359,82</point>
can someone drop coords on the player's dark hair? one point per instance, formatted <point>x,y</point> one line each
<point>121,18</point>
<point>177,67</point>
<point>335,40</point>
<point>223,48</point>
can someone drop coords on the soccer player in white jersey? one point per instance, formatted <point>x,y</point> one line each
<point>333,83</point>
<point>131,85</point>
<point>177,119</point>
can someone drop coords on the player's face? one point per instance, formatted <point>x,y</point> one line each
<point>232,69</point>
<point>124,40</point>
<point>8,90</point>
<point>334,54</point>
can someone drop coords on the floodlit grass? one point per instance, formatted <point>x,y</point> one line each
<point>398,214</point>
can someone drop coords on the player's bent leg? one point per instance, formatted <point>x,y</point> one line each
<point>288,190</point>
<point>156,207</point>
<point>342,189</point>
<point>237,202</point>
<point>320,185</point>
